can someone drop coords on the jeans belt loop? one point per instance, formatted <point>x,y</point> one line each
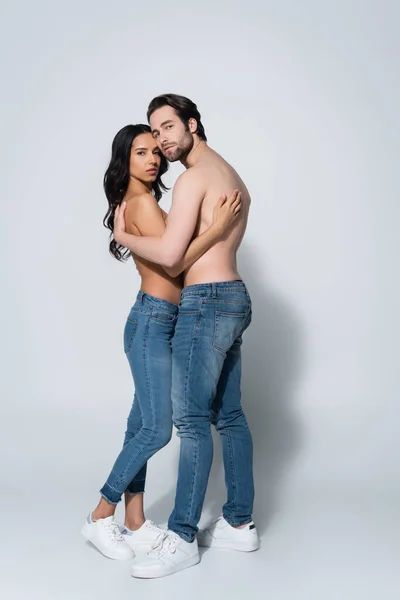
<point>214,290</point>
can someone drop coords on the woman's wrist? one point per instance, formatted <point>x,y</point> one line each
<point>123,239</point>
<point>217,229</point>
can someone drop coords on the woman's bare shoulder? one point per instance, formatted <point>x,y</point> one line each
<point>139,200</point>
<point>144,213</point>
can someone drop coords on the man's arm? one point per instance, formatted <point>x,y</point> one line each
<point>168,249</point>
<point>145,218</point>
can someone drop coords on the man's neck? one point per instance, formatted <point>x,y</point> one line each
<point>200,148</point>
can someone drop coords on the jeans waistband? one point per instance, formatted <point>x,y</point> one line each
<point>153,302</point>
<point>213,290</point>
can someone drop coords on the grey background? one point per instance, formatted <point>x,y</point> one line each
<point>302,98</point>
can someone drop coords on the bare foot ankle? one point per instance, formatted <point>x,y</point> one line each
<point>96,515</point>
<point>134,525</point>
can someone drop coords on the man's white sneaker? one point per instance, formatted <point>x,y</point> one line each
<point>169,554</point>
<point>105,535</point>
<point>222,535</point>
<point>144,537</point>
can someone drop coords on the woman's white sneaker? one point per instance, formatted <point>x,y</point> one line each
<point>144,537</point>
<point>170,553</point>
<point>105,535</point>
<point>222,535</point>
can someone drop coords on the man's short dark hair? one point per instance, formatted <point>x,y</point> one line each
<point>185,109</point>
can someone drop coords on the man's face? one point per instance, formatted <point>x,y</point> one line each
<point>174,140</point>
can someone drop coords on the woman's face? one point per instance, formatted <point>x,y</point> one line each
<point>145,158</point>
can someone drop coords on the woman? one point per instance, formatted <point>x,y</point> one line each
<point>134,175</point>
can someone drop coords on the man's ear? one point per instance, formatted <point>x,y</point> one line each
<point>192,123</point>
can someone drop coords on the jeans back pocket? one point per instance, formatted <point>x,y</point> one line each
<point>129,333</point>
<point>228,327</point>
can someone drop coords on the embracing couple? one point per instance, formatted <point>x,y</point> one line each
<point>182,339</point>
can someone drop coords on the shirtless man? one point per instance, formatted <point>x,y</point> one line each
<point>214,311</point>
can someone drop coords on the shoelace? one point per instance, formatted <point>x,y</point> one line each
<point>151,525</point>
<point>165,543</point>
<point>114,531</point>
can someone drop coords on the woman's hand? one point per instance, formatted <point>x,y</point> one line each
<point>119,224</point>
<point>226,211</point>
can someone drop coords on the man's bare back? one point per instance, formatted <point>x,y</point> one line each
<point>218,263</point>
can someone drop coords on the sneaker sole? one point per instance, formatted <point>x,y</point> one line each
<point>147,574</point>
<point>231,545</point>
<point>86,535</point>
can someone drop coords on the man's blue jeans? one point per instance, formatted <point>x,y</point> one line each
<point>147,343</point>
<point>206,388</point>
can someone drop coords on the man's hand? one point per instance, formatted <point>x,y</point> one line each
<point>119,231</point>
<point>226,211</point>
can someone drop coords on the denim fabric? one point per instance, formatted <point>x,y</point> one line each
<point>206,381</point>
<point>147,343</point>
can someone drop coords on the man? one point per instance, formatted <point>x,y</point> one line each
<point>214,311</point>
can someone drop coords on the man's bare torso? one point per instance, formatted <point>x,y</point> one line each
<point>218,263</point>
<point>214,176</point>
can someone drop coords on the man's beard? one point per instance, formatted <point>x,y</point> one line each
<point>182,148</point>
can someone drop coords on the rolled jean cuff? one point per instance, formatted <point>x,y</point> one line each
<point>185,536</point>
<point>136,487</point>
<point>112,496</point>
<point>239,522</point>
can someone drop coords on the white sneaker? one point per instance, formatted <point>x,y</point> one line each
<point>222,535</point>
<point>169,554</point>
<point>105,535</point>
<point>144,537</point>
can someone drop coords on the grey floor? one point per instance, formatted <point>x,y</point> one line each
<point>315,548</point>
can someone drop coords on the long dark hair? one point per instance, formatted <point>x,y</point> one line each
<point>116,180</point>
<point>184,108</point>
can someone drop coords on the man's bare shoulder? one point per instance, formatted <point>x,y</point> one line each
<point>189,175</point>
<point>192,178</point>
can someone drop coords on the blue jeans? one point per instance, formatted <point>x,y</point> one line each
<point>206,376</point>
<point>147,343</point>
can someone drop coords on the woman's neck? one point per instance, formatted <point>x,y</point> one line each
<point>137,187</point>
